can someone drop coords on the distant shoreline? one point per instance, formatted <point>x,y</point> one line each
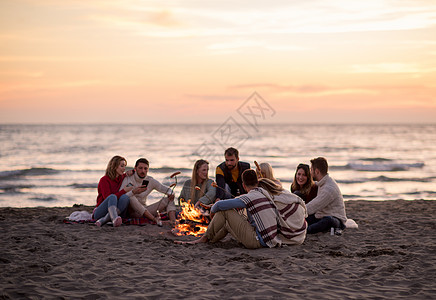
<point>219,123</point>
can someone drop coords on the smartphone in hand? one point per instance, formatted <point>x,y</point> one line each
<point>145,183</point>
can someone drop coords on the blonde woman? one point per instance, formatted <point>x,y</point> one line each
<point>199,188</point>
<point>264,170</point>
<point>292,212</point>
<point>111,201</point>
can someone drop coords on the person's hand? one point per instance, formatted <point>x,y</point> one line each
<point>171,197</point>
<point>205,206</point>
<point>139,189</point>
<point>205,213</point>
<point>130,172</point>
<point>128,188</point>
<point>217,199</point>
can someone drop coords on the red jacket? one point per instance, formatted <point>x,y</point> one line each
<point>107,186</point>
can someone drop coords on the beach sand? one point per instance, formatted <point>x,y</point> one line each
<point>391,255</point>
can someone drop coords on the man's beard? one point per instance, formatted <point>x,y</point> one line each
<point>142,177</point>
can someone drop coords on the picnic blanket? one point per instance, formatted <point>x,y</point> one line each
<point>82,217</point>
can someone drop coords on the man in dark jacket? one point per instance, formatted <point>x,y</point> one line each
<point>228,175</point>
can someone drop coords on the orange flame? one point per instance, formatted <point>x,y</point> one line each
<point>198,224</point>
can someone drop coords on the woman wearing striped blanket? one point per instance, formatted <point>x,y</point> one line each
<point>292,212</point>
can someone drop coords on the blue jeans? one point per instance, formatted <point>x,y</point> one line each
<point>111,200</point>
<point>322,225</point>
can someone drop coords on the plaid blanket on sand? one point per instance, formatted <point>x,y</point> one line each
<point>127,221</point>
<point>143,220</point>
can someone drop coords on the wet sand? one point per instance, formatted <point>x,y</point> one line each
<point>391,255</point>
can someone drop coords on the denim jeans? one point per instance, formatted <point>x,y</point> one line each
<point>322,225</point>
<point>111,200</point>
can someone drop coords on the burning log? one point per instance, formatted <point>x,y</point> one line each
<point>191,222</point>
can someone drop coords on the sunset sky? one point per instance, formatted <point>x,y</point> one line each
<point>121,61</point>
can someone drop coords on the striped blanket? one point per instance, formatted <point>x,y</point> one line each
<point>292,216</point>
<point>264,214</point>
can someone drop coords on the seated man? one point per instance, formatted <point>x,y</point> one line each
<point>260,230</point>
<point>228,175</point>
<point>327,209</point>
<point>138,197</point>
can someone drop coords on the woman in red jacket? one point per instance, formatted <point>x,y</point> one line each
<point>111,201</point>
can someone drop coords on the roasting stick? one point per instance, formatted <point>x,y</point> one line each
<point>258,169</point>
<point>172,186</point>
<point>204,194</point>
<point>241,212</point>
<point>214,184</point>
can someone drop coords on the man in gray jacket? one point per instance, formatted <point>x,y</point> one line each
<point>327,209</point>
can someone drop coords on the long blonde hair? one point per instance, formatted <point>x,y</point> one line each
<point>266,171</point>
<point>111,169</point>
<point>272,187</point>
<point>194,179</point>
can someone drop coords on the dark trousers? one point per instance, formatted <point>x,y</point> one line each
<point>322,225</point>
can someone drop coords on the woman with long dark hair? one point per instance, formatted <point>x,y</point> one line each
<point>303,184</point>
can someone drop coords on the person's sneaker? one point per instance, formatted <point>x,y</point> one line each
<point>338,231</point>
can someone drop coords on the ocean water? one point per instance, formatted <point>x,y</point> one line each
<point>60,165</point>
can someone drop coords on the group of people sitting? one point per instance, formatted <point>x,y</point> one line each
<point>250,204</point>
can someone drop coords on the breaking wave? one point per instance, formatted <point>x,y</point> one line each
<point>27,172</point>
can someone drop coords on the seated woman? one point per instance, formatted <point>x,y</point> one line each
<point>111,201</point>
<point>264,170</point>
<point>291,211</point>
<point>199,188</point>
<point>303,184</point>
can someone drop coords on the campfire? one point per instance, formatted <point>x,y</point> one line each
<point>191,222</point>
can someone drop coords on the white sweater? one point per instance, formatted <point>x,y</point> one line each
<point>152,185</point>
<point>328,202</point>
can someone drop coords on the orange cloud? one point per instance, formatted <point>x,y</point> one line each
<point>163,18</point>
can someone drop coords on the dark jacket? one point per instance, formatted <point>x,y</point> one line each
<point>307,197</point>
<point>235,187</point>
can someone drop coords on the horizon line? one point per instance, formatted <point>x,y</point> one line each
<point>217,123</point>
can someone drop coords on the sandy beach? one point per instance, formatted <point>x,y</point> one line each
<point>391,255</point>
